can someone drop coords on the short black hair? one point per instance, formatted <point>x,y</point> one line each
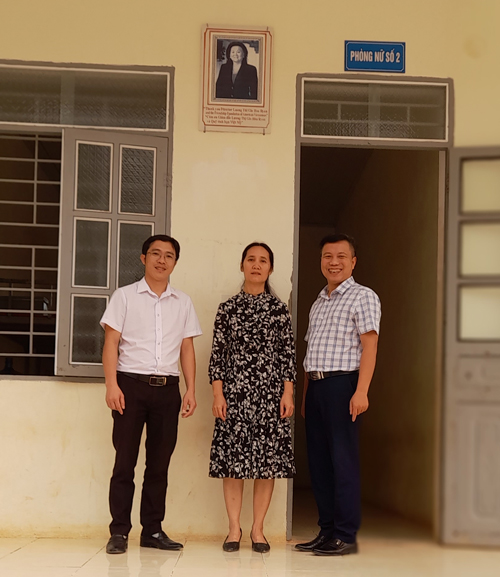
<point>338,237</point>
<point>164,238</point>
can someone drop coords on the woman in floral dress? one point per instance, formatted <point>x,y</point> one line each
<point>252,371</point>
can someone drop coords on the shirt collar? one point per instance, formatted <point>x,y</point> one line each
<point>341,289</point>
<point>143,287</point>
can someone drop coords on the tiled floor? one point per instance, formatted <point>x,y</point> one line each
<point>389,547</point>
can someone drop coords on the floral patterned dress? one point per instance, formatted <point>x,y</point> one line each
<point>253,353</point>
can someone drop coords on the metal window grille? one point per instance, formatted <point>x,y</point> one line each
<point>30,172</point>
<point>356,109</point>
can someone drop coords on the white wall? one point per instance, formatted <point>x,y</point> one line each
<point>228,189</point>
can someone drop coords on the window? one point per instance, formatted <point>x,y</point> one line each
<point>68,240</point>
<point>388,110</point>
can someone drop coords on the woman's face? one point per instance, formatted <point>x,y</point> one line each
<point>256,267</point>
<point>236,54</point>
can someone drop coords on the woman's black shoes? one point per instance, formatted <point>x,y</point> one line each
<point>231,546</point>
<point>260,547</point>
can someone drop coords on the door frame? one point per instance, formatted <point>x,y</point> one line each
<point>379,143</point>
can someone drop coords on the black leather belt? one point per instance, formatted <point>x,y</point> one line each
<point>318,375</point>
<point>154,380</point>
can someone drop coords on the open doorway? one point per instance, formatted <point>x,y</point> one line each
<point>390,201</point>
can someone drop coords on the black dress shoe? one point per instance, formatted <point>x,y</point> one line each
<point>117,544</point>
<point>310,545</point>
<point>336,547</point>
<point>231,546</point>
<point>162,541</point>
<point>260,547</point>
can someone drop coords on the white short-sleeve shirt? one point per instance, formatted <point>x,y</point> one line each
<point>152,328</point>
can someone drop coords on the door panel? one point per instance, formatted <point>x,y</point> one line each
<point>471,489</point>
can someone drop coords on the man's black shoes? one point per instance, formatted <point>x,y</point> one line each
<point>310,545</point>
<point>117,544</point>
<point>160,541</point>
<point>336,547</point>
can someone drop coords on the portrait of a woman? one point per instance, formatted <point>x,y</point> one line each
<point>237,79</point>
<point>252,371</point>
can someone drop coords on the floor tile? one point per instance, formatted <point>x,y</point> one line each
<point>52,553</point>
<point>39,572</point>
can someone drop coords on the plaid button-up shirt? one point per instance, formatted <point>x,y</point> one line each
<point>335,325</point>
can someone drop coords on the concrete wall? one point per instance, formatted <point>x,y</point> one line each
<point>228,189</point>
<point>393,214</point>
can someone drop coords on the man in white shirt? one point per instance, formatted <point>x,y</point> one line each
<point>148,327</point>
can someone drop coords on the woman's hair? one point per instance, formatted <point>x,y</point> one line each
<point>267,286</point>
<point>242,46</point>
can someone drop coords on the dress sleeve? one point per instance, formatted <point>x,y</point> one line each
<point>217,365</point>
<point>287,352</point>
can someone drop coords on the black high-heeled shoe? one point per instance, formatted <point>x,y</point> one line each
<point>231,546</point>
<point>260,547</point>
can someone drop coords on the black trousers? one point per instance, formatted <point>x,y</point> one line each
<point>158,408</point>
<point>333,453</point>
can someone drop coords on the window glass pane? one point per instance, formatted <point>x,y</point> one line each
<point>44,323</point>
<point>481,185</point>
<point>91,253</point>
<point>480,313</point>
<point>49,171</point>
<point>370,109</point>
<point>30,95</point>
<point>29,235</point>
<point>27,365</point>
<point>45,279</point>
<point>15,278</point>
<point>48,193</point>
<point>20,191</point>
<point>137,180</point>
<point>88,337</point>
<point>44,344</point>
<point>15,344</point>
<point>49,149</point>
<point>21,213</point>
<point>16,322</point>
<point>46,257</point>
<point>120,99</point>
<point>480,249</point>
<point>45,301</point>
<point>47,214</point>
<point>131,239</point>
<point>17,170</point>
<point>93,176</point>
<point>12,148</point>
<point>15,256</point>
<point>15,300</point>
<point>83,97</point>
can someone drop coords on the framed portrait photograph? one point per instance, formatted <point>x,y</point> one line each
<point>236,79</point>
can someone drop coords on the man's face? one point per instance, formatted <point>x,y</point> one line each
<point>159,261</point>
<point>337,262</point>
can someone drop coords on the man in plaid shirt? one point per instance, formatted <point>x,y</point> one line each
<point>341,352</point>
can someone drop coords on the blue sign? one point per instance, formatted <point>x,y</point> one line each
<point>375,56</point>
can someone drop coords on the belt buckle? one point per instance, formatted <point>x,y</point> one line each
<point>157,381</point>
<point>316,375</point>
